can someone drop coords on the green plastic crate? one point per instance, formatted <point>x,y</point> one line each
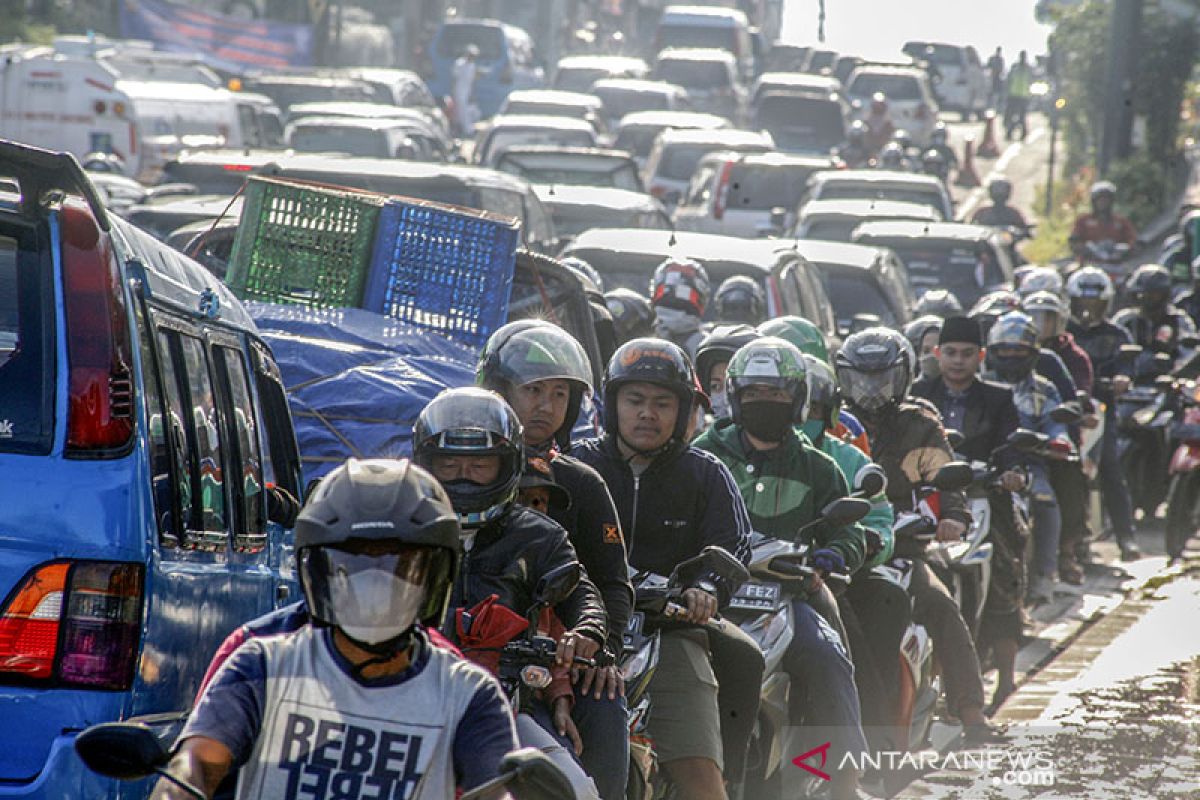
<point>304,243</point>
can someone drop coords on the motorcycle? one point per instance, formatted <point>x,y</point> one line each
<point>1109,256</point>
<point>1144,414</point>
<point>1183,494</point>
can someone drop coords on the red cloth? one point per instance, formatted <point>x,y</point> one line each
<point>1090,228</point>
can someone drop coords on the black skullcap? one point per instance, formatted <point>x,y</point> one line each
<point>961,329</point>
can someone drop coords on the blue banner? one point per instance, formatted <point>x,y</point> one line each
<point>227,43</point>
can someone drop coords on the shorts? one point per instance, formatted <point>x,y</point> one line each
<point>684,718</point>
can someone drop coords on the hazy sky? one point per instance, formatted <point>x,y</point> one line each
<point>878,28</point>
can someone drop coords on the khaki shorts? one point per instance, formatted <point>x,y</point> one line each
<point>684,719</point>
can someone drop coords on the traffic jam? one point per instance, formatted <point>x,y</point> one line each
<point>553,400</point>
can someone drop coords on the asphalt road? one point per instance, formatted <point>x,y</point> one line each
<point>1023,163</point>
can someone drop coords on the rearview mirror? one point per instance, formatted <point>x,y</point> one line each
<point>870,481</point>
<point>955,438</point>
<point>1189,342</point>
<point>1025,439</point>
<point>537,777</point>
<point>954,476</point>
<point>557,584</point>
<point>845,511</point>
<point>127,751</point>
<point>1067,414</point>
<point>714,560</point>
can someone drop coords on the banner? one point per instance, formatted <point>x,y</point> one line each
<point>229,44</point>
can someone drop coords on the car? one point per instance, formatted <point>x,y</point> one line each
<point>835,220</point>
<point>261,120</point>
<point>748,195</point>
<point>707,26</point>
<point>557,103</point>
<point>622,96</point>
<point>370,138</point>
<point>372,111</point>
<point>285,90</point>
<point>959,79</point>
<point>403,88</point>
<point>784,57</point>
<point>800,123</point>
<point>968,260</point>
<point>572,166</point>
<point>160,218</point>
<point>576,209</point>
<point>795,83</point>
<point>866,281</point>
<point>507,131</point>
<point>638,131</point>
<point>910,98</point>
<point>710,77</point>
<point>578,73</point>
<point>208,242</point>
<point>506,60</point>
<point>676,153</point>
<point>882,184</point>
<point>144,423</point>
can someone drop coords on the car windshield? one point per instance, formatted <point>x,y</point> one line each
<point>684,35</point>
<point>706,75</point>
<point>578,79</point>
<point>26,342</point>
<point>455,39</point>
<point>802,123</point>
<point>964,268</point>
<point>619,102</point>
<point>501,140</point>
<point>286,95</point>
<point>853,294</point>
<point>637,140</point>
<point>831,230</point>
<point>546,109</point>
<point>842,190</point>
<point>763,187</point>
<point>618,175</point>
<point>570,221</point>
<point>893,87</point>
<point>679,161</point>
<point>340,139</point>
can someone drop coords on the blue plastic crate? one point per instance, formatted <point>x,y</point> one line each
<point>444,268</point>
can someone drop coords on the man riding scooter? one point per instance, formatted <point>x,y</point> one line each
<point>1104,229</point>
<point>1154,322</point>
<point>1000,214</point>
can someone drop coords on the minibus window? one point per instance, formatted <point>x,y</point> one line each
<point>162,479</point>
<point>204,420</point>
<point>180,436</point>
<point>283,464</point>
<point>26,342</point>
<point>246,455</point>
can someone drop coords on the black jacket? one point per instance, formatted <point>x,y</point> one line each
<point>508,558</point>
<point>684,501</point>
<point>1102,343</point>
<point>595,531</point>
<point>991,416</point>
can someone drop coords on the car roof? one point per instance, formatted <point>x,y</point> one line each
<point>802,79</point>
<point>696,54</point>
<point>550,151</point>
<point>526,121</point>
<point>638,85</point>
<point>732,137</point>
<point>867,208</point>
<point>349,108</point>
<point>268,79</point>
<point>193,204</point>
<point>709,12</point>
<point>382,74</point>
<point>603,196</point>
<point>876,176</point>
<point>709,246</point>
<point>944,231</point>
<point>666,119</point>
<point>887,69</point>
<point>771,159</point>
<point>842,254</point>
<point>555,97</point>
<point>602,62</point>
<point>374,124</point>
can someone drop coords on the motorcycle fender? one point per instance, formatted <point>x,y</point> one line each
<point>1186,459</point>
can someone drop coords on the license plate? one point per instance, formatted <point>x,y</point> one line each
<point>633,630</point>
<point>756,597</point>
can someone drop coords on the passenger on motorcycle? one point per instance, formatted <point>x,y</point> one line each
<point>544,374</point>
<point>1012,355</point>
<point>739,298</point>
<point>1153,321</point>
<point>922,334</point>
<point>878,120</point>
<point>856,153</point>
<point>1090,295</point>
<point>1103,224</point>
<point>986,415</point>
<point>1000,214</point>
<point>675,500</point>
<point>378,547</point>
<point>712,359</point>
<point>633,316</point>
<point>874,371</point>
<point>785,482</point>
<point>679,292</point>
<point>470,440</point>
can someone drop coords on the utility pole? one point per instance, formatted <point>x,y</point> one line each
<point>1123,46</point>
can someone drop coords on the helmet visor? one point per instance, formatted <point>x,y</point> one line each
<point>871,391</point>
<point>542,353</point>
<point>1089,310</point>
<point>373,596</point>
<point>1049,323</point>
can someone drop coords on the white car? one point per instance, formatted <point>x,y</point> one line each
<point>578,73</point>
<point>638,131</point>
<point>675,155</point>
<point>836,220</point>
<point>623,96</point>
<point>910,98</point>
<point>576,209</point>
<point>882,184</point>
<point>960,81</point>
<point>710,77</point>
<point>556,103</point>
<point>531,129</point>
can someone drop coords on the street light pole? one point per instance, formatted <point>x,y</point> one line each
<point>1055,110</point>
<point>1124,32</point>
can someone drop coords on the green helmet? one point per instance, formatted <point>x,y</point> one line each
<point>823,388</point>
<point>800,332</point>
<point>770,361</point>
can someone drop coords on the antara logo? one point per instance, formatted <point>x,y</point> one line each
<point>6,429</point>
<point>823,750</point>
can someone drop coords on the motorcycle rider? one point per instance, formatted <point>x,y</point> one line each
<point>1000,214</point>
<point>712,359</point>
<point>470,439</point>
<point>856,153</point>
<point>785,482</point>
<point>1181,261</point>
<point>1189,302</point>
<point>377,552</point>
<point>679,293</point>
<point>1012,354</point>
<point>1040,279</point>
<point>1154,322</point>
<point>1103,224</point>
<point>740,298</point>
<point>1090,294</point>
<point>874,371</point>
<point>939,141</point>
<point>673,501</point>
<point>878,120</point>
<point>892,157</point>
<point>922,334</point>
<point>544,375</point>
<point>633,316</point>
<point>938,302</point>
<point>986,415</point>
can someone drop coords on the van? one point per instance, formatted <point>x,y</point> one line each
<point>143,424</point>
<point>505,62</point>
<point>959,79</point>
<point>706,26</point>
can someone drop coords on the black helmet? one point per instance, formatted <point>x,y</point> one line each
<point>1091,293</point>
<point>857,132</point>
<point>406,518</point>
<point>940,134</point>
<point>892,156</point>
<point>1012,346</point>
<point>939,303</point>
<point>473,421</point>
<point>655,361</point>
<point>1150,288</point>
<point>1000,190</point>
<point>633,316</point>
<point>519,353</point>
<point>740,299</point>
<point>874,370</point>
<point>903,138</point>
<point>719,345</point>
<point>823,390</point>
<point>933,163</point>
<point>991,306</point>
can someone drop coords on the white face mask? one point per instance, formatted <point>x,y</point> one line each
<point>374,605</point>
<point>673,322</point>
<point>720,404</point>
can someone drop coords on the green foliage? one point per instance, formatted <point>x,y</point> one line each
<point>1144,181</point>
<point>1070,200</point>
<point>1166,59</point>
<point>1080,43</point>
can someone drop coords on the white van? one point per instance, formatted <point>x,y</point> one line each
<point>85,103</point>
<point>706,26</point>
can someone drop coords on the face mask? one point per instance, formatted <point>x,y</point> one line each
<point>375,605</point>
<point>766,420</point>
<point>814,429</point>
<point>720,404</point>
<point>930,367</point>
<point>673,322</point>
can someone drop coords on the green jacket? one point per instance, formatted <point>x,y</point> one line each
<point>881,519</point>
<point>786,487</point>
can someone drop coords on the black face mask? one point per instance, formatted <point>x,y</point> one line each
<point>767,420</point>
